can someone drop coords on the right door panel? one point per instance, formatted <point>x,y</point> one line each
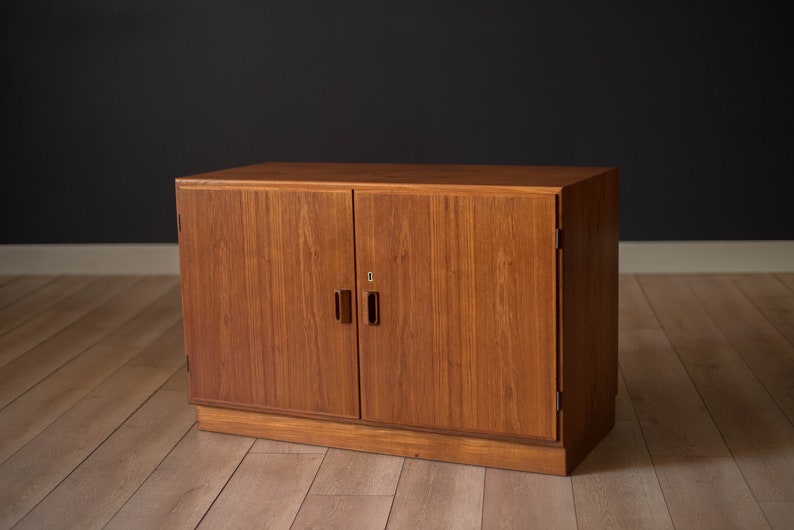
<point>466,339</point>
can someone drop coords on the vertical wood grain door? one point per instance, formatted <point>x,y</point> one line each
<point>259,270</point>
<point>466,339</point>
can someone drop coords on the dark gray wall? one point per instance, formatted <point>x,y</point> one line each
<point>104,102</point>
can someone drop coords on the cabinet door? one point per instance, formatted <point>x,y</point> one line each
<point>466,339</point>
<point>259,270</point>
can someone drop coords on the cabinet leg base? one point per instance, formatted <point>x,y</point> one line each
<point>399,442</point>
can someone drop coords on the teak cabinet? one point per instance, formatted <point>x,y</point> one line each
<point>457,313</point>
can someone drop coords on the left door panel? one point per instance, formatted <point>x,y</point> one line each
<point>259,272</point>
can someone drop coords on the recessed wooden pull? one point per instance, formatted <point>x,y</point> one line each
<point>342,306</point>
<point>372,305</point>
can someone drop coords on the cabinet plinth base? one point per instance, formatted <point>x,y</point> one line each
<point>414,444</point>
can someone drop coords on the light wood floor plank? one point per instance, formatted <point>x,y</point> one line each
<point>616,487</point>
<point>99,486</point>
<point>26,370</point>
<point>183,487</point>
<point>266,492</point>
<point>25,417</point>
<point>624,409</point>
<point>633,309</point>
<point>707,492</point>
<point>343,512</point>
<point>780,312</point>
<point>33,471</point>
<point>779,514</point>
<point>177,381</point>
<point>75,439</point>
<point>527,500</point>
<point>37,330</point>
<point>760,285</point>
<point>355,473</point>
<point>672,415</point>
<point>773,298</point>
<point>19,286</point>
<point>438,495</point>
<point>673,418</point>
<point>768,353</point>
<point>754,428</point>
<point>41,299</point>
<point>275,446</point>
<point>788,280</point>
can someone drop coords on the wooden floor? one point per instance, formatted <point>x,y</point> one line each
<point>95,430</point>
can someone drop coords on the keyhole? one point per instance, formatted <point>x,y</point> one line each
<point>369,276</point>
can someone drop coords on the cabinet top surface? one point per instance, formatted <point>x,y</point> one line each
<point>551,178</point>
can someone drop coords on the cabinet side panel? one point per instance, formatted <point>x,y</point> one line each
<point>466,339</point>
<point>589,310</point>
<point>259,271</point>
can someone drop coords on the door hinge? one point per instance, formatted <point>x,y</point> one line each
<point>187,362</point>
<point>558,238</point>
<point>559,401</point>
<point>179,222</point>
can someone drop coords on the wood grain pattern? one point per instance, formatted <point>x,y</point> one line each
<point>177,381</point>
<point>788,280</point>
<point>19,286</point>
<point>754,428</point>
<point>773,298</point>
<point>44,362</point>
<point>634,312</point>
<point>464,262</point>
<point>343,512</point>
<point>759,286</point>
<point>765,350</point>
<point>467,303</point>
<point>519,500</point>
<point>615,486</point>
<point>707,493</point>
<point>384,440</point>
<point>624,409</point>
<point>588,285</point>
<point>355,473</point>
<point>98,487</point>
<point>183,487</point>
<point>779,514</point>
<point>30,473</point>
<point>275,446</point>
<point>266,491</point>
<point>259,271</point>
<point>674,419</point>
<point>45,297</point>
<point>536,179</point>
<point>38,331</point>
<point>438,495</point>
<point>27,415</point>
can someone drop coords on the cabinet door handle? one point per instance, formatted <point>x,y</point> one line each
<point>342,306</point>
<point>372,305</point>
